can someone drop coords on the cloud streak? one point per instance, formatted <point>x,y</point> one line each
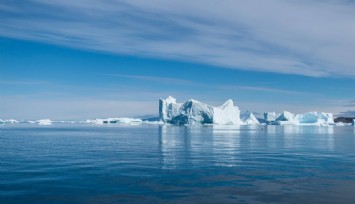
<point>22,82</point>
<point>259,89</point>
<point>313,38</point>
<point>168,80</point>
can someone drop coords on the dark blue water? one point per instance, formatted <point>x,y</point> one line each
<point>169,164</point>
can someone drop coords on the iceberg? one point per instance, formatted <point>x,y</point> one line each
<point>310,118</point>
<point>315,118</point>
<point>44,122</point>
<point>2,122</point>
<point>195,112</point>
<point>11,121</point>
<point>115,121</point>
<point>353,122</point>
<point>248,118</point>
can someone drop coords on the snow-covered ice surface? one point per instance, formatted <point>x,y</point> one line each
<point>195,112</point>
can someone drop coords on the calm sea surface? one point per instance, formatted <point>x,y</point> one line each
<point>172,164</point>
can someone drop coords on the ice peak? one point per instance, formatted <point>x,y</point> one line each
<point>170,99</point>
<point>248,118</point>
<point>228,102</point>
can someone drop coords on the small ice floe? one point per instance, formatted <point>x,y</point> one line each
<point>44,122</point>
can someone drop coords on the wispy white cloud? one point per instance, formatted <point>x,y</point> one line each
<point>168,80</point>
<point>306,37</point>
<point>156,79</point>
<point>259,89</point>
<point>22,82</point>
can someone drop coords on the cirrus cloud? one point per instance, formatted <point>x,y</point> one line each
<point>305,37</point>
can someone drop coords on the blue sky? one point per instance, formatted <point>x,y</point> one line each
<point>87,59</point>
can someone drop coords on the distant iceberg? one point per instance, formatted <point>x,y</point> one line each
<point>11,121</point>
<point>310,118</point>
<point>115,121</point>
<point>353,122</point>
<point>44,122</point>
<point>195,112</point>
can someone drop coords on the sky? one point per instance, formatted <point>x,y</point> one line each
<point>69,60</point>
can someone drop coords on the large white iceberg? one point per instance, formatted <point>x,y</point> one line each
<point>248,118</point>
<point>195,112</point>
<point>131,121</point>
<point>354,122</point>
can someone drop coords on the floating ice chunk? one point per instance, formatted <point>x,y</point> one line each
<point>248,118</point>
<point>115,121</point>
<point>353,122</point>
<point>153,122</point>
<point>2,122</point>
<point>340,124</point>
<point>11,121</point>
<point>44,122</point>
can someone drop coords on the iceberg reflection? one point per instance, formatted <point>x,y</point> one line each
<point>223,145</point>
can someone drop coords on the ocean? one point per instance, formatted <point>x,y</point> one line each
<point>81,163</point>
